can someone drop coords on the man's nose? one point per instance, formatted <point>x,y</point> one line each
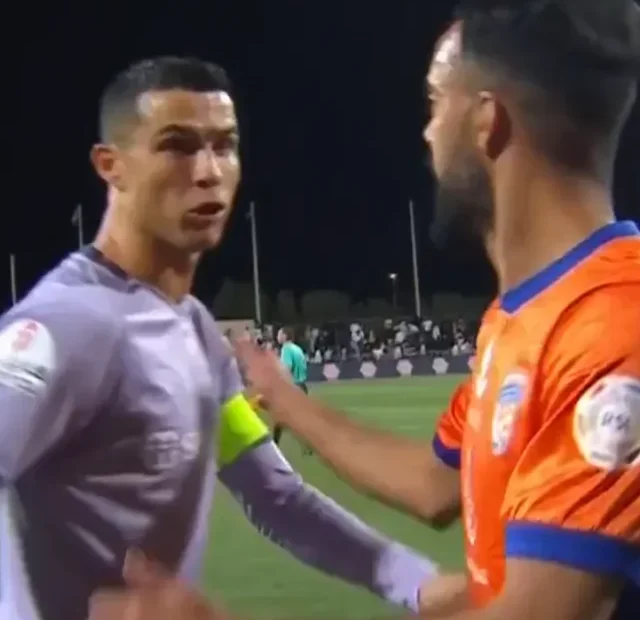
<point>207,170</point>
<point>427,133</point>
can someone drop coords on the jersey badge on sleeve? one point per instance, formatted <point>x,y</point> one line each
<point>27,356</point>
<point>507,411</point>
<point>606,424</point>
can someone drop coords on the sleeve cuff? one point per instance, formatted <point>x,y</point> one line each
<point>400,574</point>
<point>589,551</point>
<point>449,456</point>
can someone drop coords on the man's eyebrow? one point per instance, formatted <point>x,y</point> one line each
<point>173,128</point>
<point>176,128</point>
<point>229,130</point>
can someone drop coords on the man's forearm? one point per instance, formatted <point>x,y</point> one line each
<point>395,469</point>
<point>318,531</point>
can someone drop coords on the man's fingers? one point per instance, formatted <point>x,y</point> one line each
<point>243,347</point>
<point>275,360</point>
<point>102,606</point>
<point>168,600</point>
<point>255,399</point>
<point>113,605</point>
<point>262,368</point>
<point>140,571</point>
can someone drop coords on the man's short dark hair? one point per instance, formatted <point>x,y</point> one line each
<point>572,66</point>
<point>288,333</point>
<point>118,104</point>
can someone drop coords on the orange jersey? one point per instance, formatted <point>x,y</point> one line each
<point>548,426</point>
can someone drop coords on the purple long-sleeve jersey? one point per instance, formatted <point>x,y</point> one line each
<point>109,397</point>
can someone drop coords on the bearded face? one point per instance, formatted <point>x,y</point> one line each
<point>464,201</point>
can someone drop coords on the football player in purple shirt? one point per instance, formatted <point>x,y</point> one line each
<point>114,379</point>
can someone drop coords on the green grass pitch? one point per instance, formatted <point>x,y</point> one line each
<point>252,576</point>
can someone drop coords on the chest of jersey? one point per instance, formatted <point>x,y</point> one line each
<point>159,420</point>
<point>169,391</point>
<point>496,432</point>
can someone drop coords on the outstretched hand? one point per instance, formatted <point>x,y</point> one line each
<point>263,371</point>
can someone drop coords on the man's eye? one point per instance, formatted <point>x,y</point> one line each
<point>227,145</point>
<point>179,144</point>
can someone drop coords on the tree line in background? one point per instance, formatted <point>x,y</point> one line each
<point>236,300</point>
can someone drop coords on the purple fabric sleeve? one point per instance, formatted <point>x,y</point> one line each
<point>219,352</point>
<point>49,380</point>
<point>308,524</point>
<point>316,530</point>
<point>232,383</point>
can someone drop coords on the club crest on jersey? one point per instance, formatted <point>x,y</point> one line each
<point>507,411</point>
<point>606,424</point>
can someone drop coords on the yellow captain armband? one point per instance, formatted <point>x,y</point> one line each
<point>239,428</point>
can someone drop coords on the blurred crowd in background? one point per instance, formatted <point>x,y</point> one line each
<point>373,339</point>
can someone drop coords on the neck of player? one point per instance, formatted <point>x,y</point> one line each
<point>147,259</point>
<point>539,218</point>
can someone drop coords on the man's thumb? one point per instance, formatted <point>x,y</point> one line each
<point>139,571</point>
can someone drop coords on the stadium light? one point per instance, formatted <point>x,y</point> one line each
<point>394,291</point>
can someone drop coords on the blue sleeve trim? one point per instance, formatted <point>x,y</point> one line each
<point>589,551</point>
<point>635,572</point>
<point>449,456</point>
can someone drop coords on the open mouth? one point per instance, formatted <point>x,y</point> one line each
<point>208,209</point>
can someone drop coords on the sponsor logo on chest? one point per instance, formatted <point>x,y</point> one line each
<point>168,449</point>
<point>507,411</point>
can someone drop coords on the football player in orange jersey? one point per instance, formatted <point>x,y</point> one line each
<point>528,101</point>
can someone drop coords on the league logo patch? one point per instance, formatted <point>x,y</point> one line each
<point>507,411</point>
<point>27,356</point>
<point>606,424</point>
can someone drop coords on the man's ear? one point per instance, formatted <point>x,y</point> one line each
<point>107,162</point>
<point>491,125</point>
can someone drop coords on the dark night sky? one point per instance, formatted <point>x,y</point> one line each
<point>331,108</point>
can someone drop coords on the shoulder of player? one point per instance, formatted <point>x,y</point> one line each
<point>199,307</point>
<point>489,317</point>
<point>610,304</point>
<point>74,314</point>
<point>215,340</point>
<point>600,323</point>
<point>492,312</point>
<point>204,316</point>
